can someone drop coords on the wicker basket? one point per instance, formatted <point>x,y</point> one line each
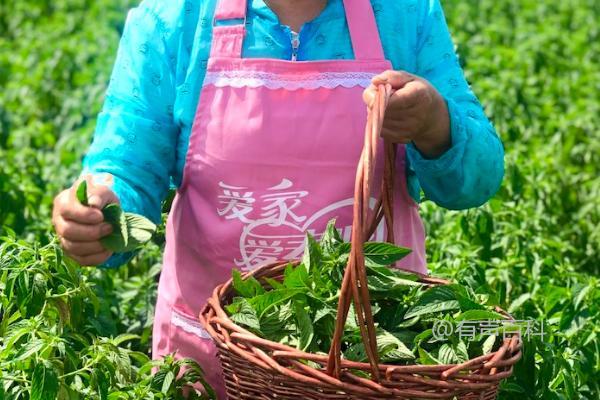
<point>255,368</point>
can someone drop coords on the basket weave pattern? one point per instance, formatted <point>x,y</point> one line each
<point>255,368</point>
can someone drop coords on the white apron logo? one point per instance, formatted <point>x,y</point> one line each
<point>274,228</point>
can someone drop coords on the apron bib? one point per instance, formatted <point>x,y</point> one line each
<point>272,155</point>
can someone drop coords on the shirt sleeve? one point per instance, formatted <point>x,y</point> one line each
<point>470,172</point>
<point>135,138</point>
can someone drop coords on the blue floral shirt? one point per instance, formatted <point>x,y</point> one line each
<point>143,130</point>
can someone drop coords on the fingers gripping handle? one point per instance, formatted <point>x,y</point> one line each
<point>354,285</point>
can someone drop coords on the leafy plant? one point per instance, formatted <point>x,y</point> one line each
<point>58,339</point>
<point>84,332</point>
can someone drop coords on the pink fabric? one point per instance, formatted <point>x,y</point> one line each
<point>363,28</point>
<point>264,166</point>
<point>227,40</point>
<point>231,9</point>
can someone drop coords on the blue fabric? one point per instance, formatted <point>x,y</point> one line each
<point>143,130</point>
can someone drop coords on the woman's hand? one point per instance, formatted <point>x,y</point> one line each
<point>417,112</point>
<point>79,227</point>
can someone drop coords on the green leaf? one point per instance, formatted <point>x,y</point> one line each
<point>519,301</point>
<point>430,308</point>
<point>437,293</point>
<point>385,271</point>
<point>167,382</point>
<point>391,348</point>
<point>274,283</point>
<point>265,301</point>
<point>461,351</point>
<point>356,352</point>
<point>139,231</point>
<point>447,355</point>
<point>331,239</point>
<point>125,337</point>
<point>82,193</point>
<point>384,253</point>
<point>453,353</point>
<point>434,300</point>
<point>137,222</point>
<point>377,253</point>
<point>488,344</point>
<point>480,315</point>
<point>278,322</point>
<point>352,319</point>
<point>324,312</point>
<point>409,322</point>
<point>44,383</point>
<point>248,287</point>
<point>102,382</point>
<point>118,240</point>
<point>304,326</point>
<point>312,254</point>
<point>114,242</point>
<point>123,362</point>
<point>29,349</point>
<point>245,315</point>
<point>112,213</point>
<point>295,277</point>
<point>425,358</point>
<point>465,297</point>
<point>38,294</point>
<point>390,284</point>
<point>581,292</point>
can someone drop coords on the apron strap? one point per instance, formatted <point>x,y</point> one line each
<point>364,34</point>
<point>228,39</point>
<point>231,9</point>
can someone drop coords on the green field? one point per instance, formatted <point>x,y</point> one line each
<point>535,248</point>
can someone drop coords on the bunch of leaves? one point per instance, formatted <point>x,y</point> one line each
<point>301,309</point>
<point>59,340</point>
<point>130,230</point>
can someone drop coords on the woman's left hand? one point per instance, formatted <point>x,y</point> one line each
<point>416,112</point>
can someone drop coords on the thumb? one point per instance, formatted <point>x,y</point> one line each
<point>101,195</point>
<point>397,79</point>
<point>369,95</point>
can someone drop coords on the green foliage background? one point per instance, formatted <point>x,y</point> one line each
<point>535,64</point>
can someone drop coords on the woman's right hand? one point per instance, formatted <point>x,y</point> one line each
<point>80,227</point>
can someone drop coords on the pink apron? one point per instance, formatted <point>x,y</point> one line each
<point>272,155</point>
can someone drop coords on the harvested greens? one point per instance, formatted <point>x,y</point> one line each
<point>300,311</point>
<point>130,231</point>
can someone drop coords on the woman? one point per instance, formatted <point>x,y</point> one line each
<point>255,111</point>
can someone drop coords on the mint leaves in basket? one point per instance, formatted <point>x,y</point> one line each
<point>130,231</point>
<point>300,310</point>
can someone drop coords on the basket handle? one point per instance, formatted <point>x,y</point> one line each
<point>354,285</point>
